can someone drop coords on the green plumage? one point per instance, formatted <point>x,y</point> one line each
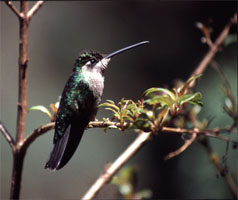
<point>78,105</point>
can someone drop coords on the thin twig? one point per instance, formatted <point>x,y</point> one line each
<point>206,132</point>
<point>121,160</point>
<point>36,133</point>
<point>8,136</point>
<point>226,83</point>
<point>186,144</point>
<point>214,48</point>
<point>34,9</point>
<point>13,8</point>
<point>215,160</point>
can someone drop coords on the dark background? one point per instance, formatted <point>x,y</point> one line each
<point>58,32</point>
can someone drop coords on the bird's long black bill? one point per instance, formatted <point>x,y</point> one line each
<point>125,49</point>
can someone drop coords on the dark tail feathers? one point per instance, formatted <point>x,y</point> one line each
<point>64,149</point>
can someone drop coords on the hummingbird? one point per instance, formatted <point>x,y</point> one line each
<point>79,104</point>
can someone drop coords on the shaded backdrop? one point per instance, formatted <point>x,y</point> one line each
<point>58,32</point>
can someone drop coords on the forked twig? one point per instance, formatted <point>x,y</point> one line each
<point>214,48</point>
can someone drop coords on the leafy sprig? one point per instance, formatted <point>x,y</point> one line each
<point>151,112</point>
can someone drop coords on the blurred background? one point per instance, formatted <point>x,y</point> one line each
<point>58,32</point>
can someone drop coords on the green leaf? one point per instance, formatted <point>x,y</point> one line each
<point>141,123</point>
<point>186,85</point>
<point>164,100</point>
<point>162,115</point>
<point>109,105</point>
<point>166,91</point>
<point>42,109</point>
<point>111,102</point>
<point>127,175</point>
<point>131,106</point>
<point>190,98</point>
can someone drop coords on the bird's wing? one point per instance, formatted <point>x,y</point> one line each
<point>58,151</point>
<point>70,125</point>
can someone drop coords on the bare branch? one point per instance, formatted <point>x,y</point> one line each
<point>22,102</point>
<point>36,133</point>
<point>34,9</point>
<point>113,168</point>
<point>206,132</point>
<point>13,8</point>
<point>182,148</point>
<point>216,162</point>
<point>8,136</point>
<point>214,48</point>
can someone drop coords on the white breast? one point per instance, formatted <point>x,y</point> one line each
<point>96,82</point>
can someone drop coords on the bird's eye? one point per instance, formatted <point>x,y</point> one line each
<point>92,61</point>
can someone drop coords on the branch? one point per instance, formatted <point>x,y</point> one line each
<point>36,133</point>
<point>121,160</point>
<point>206,132</point>
<point>100,124</point>
<point>14,9</point>
<point>182,148</point>
<point>8,136</point>
<point>22,75</point>
<point>18,158</point>
<point>215,160</point>
<point>214,48</point>
<point>34,9</point>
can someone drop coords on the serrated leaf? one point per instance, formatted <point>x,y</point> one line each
<point>42,109</point>
<point>166,91</point>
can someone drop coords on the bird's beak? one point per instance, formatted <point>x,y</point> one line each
<point>125,49</point>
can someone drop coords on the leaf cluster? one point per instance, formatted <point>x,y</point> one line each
<point>155,106</point>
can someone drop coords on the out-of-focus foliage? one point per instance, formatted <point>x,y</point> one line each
<point>230,39</point>
<point>126,180</point>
